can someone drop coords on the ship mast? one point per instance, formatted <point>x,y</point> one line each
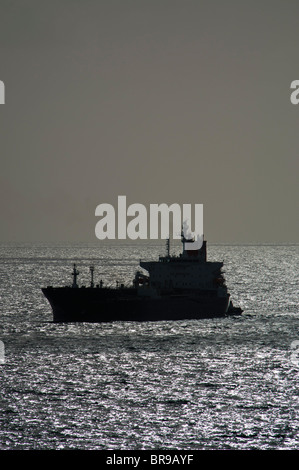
<point>185,240</point>
<point>75,273</point>
<point>168,247</point>
<point>91,273</point>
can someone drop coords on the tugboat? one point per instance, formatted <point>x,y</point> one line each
<point>182,287</point>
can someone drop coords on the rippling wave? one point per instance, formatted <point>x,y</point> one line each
<point>227,383</point>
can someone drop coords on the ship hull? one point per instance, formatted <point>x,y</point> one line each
<point>97,305</point>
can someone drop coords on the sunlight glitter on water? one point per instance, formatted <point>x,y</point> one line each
<point>211,384</point>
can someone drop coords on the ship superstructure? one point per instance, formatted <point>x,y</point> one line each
<point>188,272</point>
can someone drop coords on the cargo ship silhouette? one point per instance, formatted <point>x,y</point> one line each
<point>180,287</point>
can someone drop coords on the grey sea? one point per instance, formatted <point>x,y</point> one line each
<point>215,384</point>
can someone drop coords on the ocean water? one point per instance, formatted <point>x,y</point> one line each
<point>228,383</point>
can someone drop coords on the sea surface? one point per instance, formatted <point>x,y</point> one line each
<point>228,383</point>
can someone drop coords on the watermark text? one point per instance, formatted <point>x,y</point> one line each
<point>2,92</point>
<point>295,94</point>
<point>158,219</point>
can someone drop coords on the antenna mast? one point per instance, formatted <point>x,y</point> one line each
<point>168,247</point>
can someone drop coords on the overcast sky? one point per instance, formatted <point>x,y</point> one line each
<point>184,101</point>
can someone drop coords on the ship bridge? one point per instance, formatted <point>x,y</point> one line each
<point>189,270</point>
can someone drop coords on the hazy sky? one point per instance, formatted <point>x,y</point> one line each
<point>184,101</point>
